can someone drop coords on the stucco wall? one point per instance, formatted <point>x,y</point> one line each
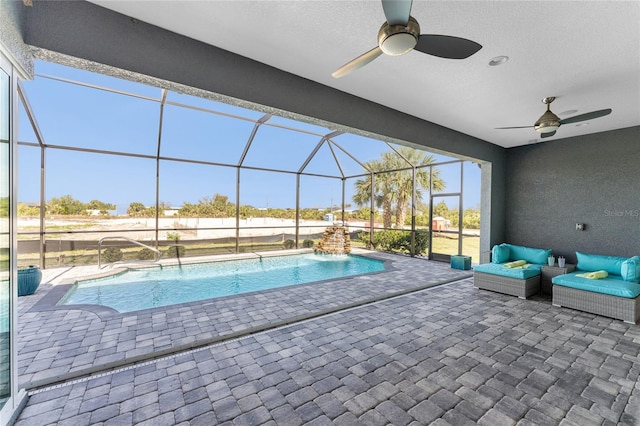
<point>12,25</point>
<point>593,179</point>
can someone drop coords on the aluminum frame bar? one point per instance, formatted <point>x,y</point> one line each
<point>160,121</point>
<point>261,121</point>
<point>94,86</point>
<point>43,158</point>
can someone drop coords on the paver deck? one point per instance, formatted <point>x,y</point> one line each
<point>449,354</point>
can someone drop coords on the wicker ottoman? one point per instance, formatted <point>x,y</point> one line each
<point>522,288</point>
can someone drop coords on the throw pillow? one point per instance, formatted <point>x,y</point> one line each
<point>631,269</point>
<point>500,253</point>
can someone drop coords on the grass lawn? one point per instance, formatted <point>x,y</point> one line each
<point>470,246</point>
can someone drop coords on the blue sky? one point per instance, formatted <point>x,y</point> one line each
<point>72,115</point>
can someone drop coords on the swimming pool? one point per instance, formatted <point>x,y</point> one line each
<point>153,287</point>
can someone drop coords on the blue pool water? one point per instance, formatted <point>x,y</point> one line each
<point>153,287</point>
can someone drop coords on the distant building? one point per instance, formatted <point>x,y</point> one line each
<point>439,223</point>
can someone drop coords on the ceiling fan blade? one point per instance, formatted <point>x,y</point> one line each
<point>518,127</point>
<point>357,63</point>
<point>547,135</point>
<point>588,116</point>
<point>397,11</point>
<point>448,47</point>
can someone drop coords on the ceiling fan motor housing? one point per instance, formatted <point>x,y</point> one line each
<point>549,122</point>
<point>396,40</point>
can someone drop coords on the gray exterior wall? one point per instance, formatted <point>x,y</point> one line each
<point>81,31</point>
<point>593,179</point>
<point>12,25</point>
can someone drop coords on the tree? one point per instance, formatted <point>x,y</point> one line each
<point>404,179</point>
<point>311,214</point>
<point>383,190</point>
<point>452,215</point>
<point>4,207</point>
<point>218,206</point>
<point>188,210</point>
<point>441,209</point>
<point>137,209</point>
<point>247,211</point>
<point>393,189</point>
<point>66,205</point>
<point>100,205</point>
<point>27,210</point>
<point>471,219</point>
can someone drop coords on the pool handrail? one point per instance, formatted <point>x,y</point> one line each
<point>155,250</point>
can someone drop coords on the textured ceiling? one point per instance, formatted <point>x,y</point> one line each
<point>586,53</point>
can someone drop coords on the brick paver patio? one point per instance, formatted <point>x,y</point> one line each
<point>449,354</point>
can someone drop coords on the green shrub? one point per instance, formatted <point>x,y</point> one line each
<point>397,241</point>
<point>146,254</point>
<point>422,242</point>
<point>289,244</point>
<point>175,251</point>
<point>112,254</point>
<point>307,244</point>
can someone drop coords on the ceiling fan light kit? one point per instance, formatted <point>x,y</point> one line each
<point>547,127</point>
<point>396,40</point>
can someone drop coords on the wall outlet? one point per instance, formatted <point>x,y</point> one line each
<point>580,226</point>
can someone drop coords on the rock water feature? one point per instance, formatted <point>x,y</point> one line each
<point>335,240</point>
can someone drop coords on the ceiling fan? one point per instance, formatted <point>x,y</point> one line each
<point>548,123</point>
<point>401,34</point>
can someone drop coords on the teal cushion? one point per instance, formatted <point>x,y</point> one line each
<point>596,262</point>
<point>530,254</point>
<point>499,269</point>
<point>500,253</point>
<point>613,285</point>
<point>630,269</point>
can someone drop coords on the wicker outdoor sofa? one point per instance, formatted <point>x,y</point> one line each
<point>616,296</point>
<point>520,281</point>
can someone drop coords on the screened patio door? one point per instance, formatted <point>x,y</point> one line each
<point>445,236</point>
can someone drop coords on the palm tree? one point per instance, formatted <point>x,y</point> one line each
<point>404,179</point>
<point>396,187</point>
<point>383,191</point>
